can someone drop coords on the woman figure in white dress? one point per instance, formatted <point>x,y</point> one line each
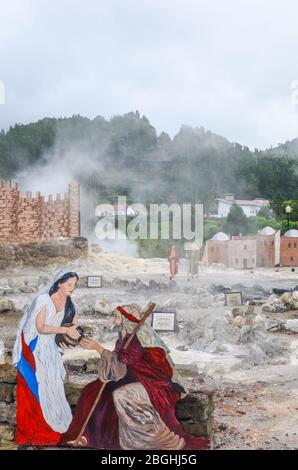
<point>43,412</point>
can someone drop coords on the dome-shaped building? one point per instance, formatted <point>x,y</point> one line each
<point>220,237</point>
<point>267,231</point>
<point>293,233</point>
<point>217,250</point>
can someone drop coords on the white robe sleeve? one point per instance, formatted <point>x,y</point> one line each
<point>28,325</point>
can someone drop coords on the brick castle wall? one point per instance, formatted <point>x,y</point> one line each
<point>25,218</point>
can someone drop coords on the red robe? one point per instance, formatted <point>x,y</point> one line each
<point>31,427</point>
<point>150,367</point>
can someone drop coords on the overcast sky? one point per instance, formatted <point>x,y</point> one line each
<point>225,65</point>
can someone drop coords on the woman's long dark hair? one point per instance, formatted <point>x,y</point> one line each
<point>70,310</point>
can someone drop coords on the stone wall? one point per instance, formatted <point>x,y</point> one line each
<point>194,411</point>
<point>41,253</point>
<point>25,218</point>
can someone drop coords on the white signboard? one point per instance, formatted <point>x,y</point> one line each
<point>94,281</point>
<point>164,321</point>
<point>233,299</point>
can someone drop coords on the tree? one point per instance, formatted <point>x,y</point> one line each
<point>236,222</point>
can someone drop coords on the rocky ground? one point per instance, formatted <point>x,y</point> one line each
<point>245,355</point>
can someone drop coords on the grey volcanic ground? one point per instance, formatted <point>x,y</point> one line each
<point>244,358</point>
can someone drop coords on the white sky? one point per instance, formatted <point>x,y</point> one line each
<point>225,65</point>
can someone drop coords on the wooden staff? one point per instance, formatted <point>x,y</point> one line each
<point>147,313</point>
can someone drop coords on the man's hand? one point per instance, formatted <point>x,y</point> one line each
<point>91,344</point>
<point>65,346</point>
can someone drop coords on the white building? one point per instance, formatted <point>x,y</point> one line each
<point>250,208</point>
<point>114,210</point>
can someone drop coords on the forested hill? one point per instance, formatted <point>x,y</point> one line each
<point>124,155</point>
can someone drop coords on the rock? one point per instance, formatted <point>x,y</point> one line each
<point>7,392</point>
<point>95,248</point>
<point>122,283</point>
<point>6,305</point>
<point>250,310</point>
<point>182,347</point>
<point>7,433</point>
<point>257,301</point>
<point>82,282</point>
<point>7,413</point>
<point>167,305</point>
<point>279,292</point>
<point>73,392</point>
<point>87,304</point>
<point>75,365</point>
<point>259,289</point>
<point>8,373</point>
<point>215,347</point>
<point>238,321</point>
<point>238,312</point>
<point>103,307</point>
<point>274,325</point>
<point>140,285</point>
<point>92,365</point>
<point>292,325</point>
<point>42,281</point>
<point>244,334</point>
<point>295,295</point>
<point>42,253</point>
<point>214,289</point>
<point>194,412</point>
<point>228,316</point>
<point>259,319</point>
<point>286,298</point>
<point>268,343</point>
<point>205,302</point>
<point>153,285</point>
<point>27,289</point>
<point>238,287</point>
<point>274,306</point>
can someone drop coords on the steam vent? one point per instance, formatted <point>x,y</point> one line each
<point>25,218</point>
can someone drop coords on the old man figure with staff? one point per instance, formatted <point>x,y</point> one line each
<point>131,405</point>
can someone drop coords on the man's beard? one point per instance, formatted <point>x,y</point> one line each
<point>117,328</point>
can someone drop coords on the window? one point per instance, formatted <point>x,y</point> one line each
<point>272,243</point>
<point>265,243</point>
<point>295,245</point>
<point>212,249</point>
<point>289,245</point>
<point>253,260</point>
<point>292,258</point>
<point>245,247</point>
<point>237,261</point>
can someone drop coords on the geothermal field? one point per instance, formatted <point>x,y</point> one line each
<point>245,356</point>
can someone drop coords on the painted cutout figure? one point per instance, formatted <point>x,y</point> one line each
<point>173,258</point>
<point>137,406</point>
<point>43,412</point>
